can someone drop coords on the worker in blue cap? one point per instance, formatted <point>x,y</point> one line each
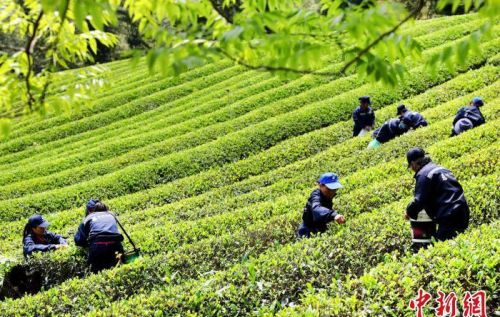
<point>468,117</point>
<point>36,238</point>
<point>318,210</point>
<point>99,232</point>
<point>438,192</point>
<point>363,117</point>
<point>411,119</point>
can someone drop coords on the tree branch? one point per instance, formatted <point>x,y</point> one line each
<point>360,54</point>
<point>316,36</point>
<point>225,11</point>
<point>344,68</point>
<point>29,50</point>
<point>46,85</point>
<point>275,68</point>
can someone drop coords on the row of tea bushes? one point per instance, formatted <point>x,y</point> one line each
<point>466,264</point>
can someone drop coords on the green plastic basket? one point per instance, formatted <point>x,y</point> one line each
<point>131,256</point>
<point>374,144</point>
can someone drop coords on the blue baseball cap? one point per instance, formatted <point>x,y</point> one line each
<point>91,204</point>
<point>477,101</point>
<point>330,180</point>
<point>365,98</point>
<point>38,221</point>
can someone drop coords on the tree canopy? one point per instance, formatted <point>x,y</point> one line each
<point>288,37</point>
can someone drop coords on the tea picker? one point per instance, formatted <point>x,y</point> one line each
<point>36,238</point>
<point>363,117</point>
<point>23,278</point>
<point>318,210</point>
<point>439,195</point>
<point>468,117</point>
<point>412,119</point>
<point>99,232</point>
<point>388,131</point>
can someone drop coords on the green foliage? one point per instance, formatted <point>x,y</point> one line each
<point>203,230</point>
<point>229,148</point>
<point>118,74</point>
<point>281,274</point>
<point>468,263</point>
<point>428,41</point>
<point>287,37</point>
<point>209,172</point>
<point>204,255</point>
<point>53,35</point>
<point>283,36</point>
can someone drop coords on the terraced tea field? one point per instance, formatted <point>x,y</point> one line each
<point>209,172</point>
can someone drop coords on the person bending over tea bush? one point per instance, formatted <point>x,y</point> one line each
<point>99,232</point>
<point>36,238</point>
<point>468,117</point>
<point>411,118</point>
<point>318,211</point>
<point>438,192</point>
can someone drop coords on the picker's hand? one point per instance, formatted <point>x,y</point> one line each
<point>407,217</point>
<point>339,219</point>
<point>59,246</point>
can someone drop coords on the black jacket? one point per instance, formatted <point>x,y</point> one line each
<point>362,119</point>
<point>388,131</point>
<point>318,212</point>
<point>472,113</point>
<point>96,227</point>
<point>439,193</point>
<point>413,119</point>
<point>49,241</point>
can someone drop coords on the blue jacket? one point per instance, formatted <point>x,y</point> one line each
<point>414,119</point>
<point>98,226</point>
<point>388,131</point>
<point>50,240</point>
<point>472,113</point>
<point>362,119</point>
<point>438,192</point>
<point>318,212</point>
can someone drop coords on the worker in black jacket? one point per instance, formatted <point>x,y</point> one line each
<point>439,193</point>
<point>363,117</point>
<point>468,117</point>
<point>411,119</point>
<point>99,232</point>
<point>388,131</point>
<point>318,210</point>
<point>36,238</point>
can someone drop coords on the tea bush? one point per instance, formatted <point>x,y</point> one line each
<point>209,172</point>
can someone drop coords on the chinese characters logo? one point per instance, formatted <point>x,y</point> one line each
<point>473,304</point>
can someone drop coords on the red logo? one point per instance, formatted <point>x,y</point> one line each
<point>421,300</point>
<point>474,305</point>
<point>447,304</point>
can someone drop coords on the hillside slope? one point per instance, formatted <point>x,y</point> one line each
<point>209,173</point>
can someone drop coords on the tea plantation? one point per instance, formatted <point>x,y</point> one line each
<point>209,172</point>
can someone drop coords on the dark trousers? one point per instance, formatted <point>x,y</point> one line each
<point>416,246</point>
<point>356,130</point>
<point>104,255</point>
<point>450,227</point>
<point>306,231</point>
